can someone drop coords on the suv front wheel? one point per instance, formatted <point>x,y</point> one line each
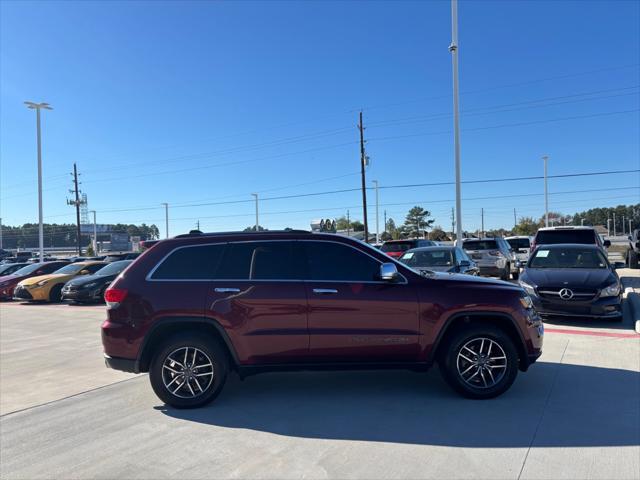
<point>480,362</point>
<point>188,370</point>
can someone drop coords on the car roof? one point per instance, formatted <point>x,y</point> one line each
<point>556,246</point>
<point>568,227</point>
<point>432,248</point>
<point>517,237</point>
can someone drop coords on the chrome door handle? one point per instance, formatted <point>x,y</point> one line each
<point>227,290</point>
<point>325,291</point>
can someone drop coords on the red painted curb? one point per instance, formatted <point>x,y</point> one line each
<point>592,334</point>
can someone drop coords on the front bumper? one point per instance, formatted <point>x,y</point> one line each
<point>83,295</point>
<point>21,293</point>
<point>608,307</point>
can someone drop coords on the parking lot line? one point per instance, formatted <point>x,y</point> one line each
<point>592,333</point>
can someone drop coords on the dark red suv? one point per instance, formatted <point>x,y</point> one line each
<point>192,308</point>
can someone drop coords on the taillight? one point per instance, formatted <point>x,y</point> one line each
<point>114,296</point>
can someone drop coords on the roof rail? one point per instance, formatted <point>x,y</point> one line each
<point>196,233</point>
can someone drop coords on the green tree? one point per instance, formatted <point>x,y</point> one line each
<point>89,251</point>
<point>357,226</point>
<point>417,221</point>
<point>438,234</point>
<point>526,226</point>
<point>253,229</point>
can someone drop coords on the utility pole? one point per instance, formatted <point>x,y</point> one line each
<point>375,182</point>
<point>546,192</point>
<point>37,107</point>
<point>614,224</point>
<point>482,215</point>
<point>257,221</point>
<point>608,227</point>
<point>348,224</point>
<point>95,234</point>
<point>76,203</point>
<point>453,224</point>
<point>385,221</point>
<point>515,222</point>
<point>363,161</point>
<point>453,48</point>
<point>623,222</point>
<point>198,225</point>
<point>630,232</point>
<point>582,222</point>
<point>1,233</point>
<point>166,219</point>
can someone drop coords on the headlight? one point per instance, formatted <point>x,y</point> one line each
<point>612,290</point>
<point>526,302</point>
<point>527,288</point>
<point>42,283</point>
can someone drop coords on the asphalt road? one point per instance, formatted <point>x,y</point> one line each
<point>574,414</point>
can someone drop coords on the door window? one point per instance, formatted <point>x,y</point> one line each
<point>336,262</point>
<point>260,261</point>
<point>190,263</point>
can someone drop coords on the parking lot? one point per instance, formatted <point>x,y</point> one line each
<point>575,414</point>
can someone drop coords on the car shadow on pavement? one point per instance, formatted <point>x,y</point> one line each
<point>552,405</point>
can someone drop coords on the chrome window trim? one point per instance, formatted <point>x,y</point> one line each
<point>148,278</point>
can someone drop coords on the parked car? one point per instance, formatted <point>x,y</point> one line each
<point>573,280</point>
<point>633,252</point>
<point>90,288</point>
<point>439,259</point>
<point>9,268</point>
<point>581,235</point>
<point>9,282</point>
<point>395,248</point>
<point>116,257</point>
<point>195,307</point>
<point>521,246</point>
<point>49,287</point>
<point>494,257</point>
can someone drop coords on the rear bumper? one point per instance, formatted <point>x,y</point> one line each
<point>491,271</point>
<point>123,364</point>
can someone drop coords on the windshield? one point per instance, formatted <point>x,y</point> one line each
<point>28,269</point>
<point>397,246</point>
<point>73,268</point>
<point>569,257</point>
<point>480,245</point>
<point>518,243</point>
<point>113,268</point>
<point>9,268</point>
<point>428,258</point>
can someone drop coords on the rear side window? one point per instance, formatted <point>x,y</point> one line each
<point>260,261</point>
<point>335,262</point>
<point>480,245</point>
<point>547,237</point>
<point>398,246</point>
<point>190,263</point>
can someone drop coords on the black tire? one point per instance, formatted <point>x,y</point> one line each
<point>515,275</point>
<point>209,347</point>
<point>505,274</point>
<point>55,295</point>
<point>632,259</point>
<point>448,362</point>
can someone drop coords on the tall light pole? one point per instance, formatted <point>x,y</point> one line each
<point>453,48</point>
<point>166,219</point>
<point>257,221</point>
<point>95,233</point>
<point>37,107</point>
<point>375,182</point>
<point>545,159</point>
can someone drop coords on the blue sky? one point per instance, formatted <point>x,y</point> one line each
<point>203,102</point>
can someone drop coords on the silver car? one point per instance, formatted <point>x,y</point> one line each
<point>494,257</point>
<point>521,246</point>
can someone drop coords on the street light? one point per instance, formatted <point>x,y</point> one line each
<point>166,219</point>
<point>453,48</point>
<point>375,182</point>
<point>37,107</point>
<point>95,233</point>
<point>257,223</point>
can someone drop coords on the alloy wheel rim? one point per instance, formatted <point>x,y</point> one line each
<point>481,363</point>
<point>187,372</point>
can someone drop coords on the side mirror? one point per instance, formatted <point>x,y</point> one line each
<point>84,272</point>
<point>607,243</point>
<point>389,272</point>
<point>465,263</point>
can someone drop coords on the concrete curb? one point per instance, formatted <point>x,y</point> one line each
<point>633,300</point>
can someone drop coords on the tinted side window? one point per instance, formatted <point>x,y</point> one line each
<point>333,261</point>
<point>94,268</point>
<point>190,263</point>
<point>260,261</point>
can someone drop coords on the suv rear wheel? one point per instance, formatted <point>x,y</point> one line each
<point>480,362</point>
<point>188,370</point>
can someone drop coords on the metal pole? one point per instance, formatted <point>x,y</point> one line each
<point>166,219</point>
<point>623,222</point>
<point>515,222</point>
<point>614,224</point>
<point>375,182</point>
<point>348,224</point>
<point>630,233</point>
<point>482,229</point>
<point>95,234</point>
<point>453,48</point>
<point>40,225</point>
<point>608,227</point>
<point>546,192</point>
<point>363,161</point>
<point>582,222</point>
<point>257,222</point>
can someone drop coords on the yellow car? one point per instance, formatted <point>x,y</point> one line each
<point>48,288</point>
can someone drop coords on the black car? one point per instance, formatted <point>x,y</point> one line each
<point>90,288</point>
<point>572,280</point>
<point>440,259</point>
